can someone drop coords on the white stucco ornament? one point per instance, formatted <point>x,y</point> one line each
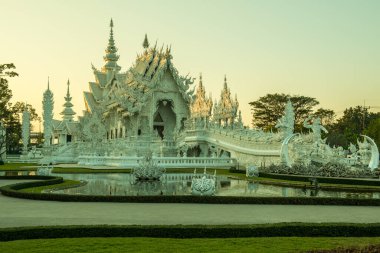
<point>204,185</point>
<point>252,171</point>
<point>93,129</point>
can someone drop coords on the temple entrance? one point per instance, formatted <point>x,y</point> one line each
<point>164,120</point>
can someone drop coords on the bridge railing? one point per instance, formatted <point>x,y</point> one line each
<point>167,162</point>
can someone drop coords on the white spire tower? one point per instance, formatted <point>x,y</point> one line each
<point>68,113</point>
<point>48,105</point>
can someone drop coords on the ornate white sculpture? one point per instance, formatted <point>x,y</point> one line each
<point>44,170</point>
<point>285,151</point>
<point>148,169</point>
<point>48,106</point>
<point>252,171</point>
<point>25,129</point>
<point>205,185</point>
<point>316,127</point>
<point>93,129</point>
<point>286,123</point>
<point>374,161</point>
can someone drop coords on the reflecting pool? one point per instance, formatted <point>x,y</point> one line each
<point>179,184</point>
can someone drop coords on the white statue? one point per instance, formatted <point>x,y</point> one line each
<point>316,127</point>
<point>286,123</point>
<point>25,129</point>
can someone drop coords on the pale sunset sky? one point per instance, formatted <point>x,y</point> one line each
<point>327,49</point>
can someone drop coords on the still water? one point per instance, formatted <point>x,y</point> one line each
<point>180,184</point>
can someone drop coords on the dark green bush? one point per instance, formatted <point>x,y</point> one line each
<point>328,180</point>
<point>195,231</point>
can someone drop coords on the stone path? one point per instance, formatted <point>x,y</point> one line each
<point>21,212</point>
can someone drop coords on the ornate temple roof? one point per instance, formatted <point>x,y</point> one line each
<point>226,108</point>
<point>129,91</point>
<point>201,106</point>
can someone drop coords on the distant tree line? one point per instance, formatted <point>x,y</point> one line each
<point>342,131</point>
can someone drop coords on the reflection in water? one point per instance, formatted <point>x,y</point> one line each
<point>17,173</point>
<point>179,184</point>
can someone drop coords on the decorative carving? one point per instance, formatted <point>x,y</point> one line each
<point>148,169</point>
<point>227,108</point>
<point>205,185</point>
<point>201,107</point>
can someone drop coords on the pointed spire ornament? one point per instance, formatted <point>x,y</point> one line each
<point>68,113</point>
<point>146,42</point>
<point>111,57</point>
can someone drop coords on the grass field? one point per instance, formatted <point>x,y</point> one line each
<point>66,183</point>
<point>257,245</point>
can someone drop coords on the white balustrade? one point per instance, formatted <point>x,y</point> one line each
<point>167,162</point>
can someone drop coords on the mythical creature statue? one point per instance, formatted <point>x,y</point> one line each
<point>286,123</point>
<point>316,127</point>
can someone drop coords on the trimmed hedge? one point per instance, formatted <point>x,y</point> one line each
<point>327,180</point>
<point>13,191</point>
<point>195,231</point>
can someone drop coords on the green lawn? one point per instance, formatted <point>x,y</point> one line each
<point>230,245</point>
<point>39,189</point>
<point>18,166</point>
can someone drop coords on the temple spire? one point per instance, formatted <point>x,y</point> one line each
<point>68,113</point>
<point>111,57</point>
<point>47,114</point>
<point>146,42</point>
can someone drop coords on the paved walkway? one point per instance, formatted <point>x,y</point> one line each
<point>21,212</point>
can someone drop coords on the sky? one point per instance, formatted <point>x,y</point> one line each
<point>326,49</point>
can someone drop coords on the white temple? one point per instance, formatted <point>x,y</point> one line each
<point>152,108</point>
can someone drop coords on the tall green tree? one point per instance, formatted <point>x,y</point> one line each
<point>373,130</point>
<point>10,114</point>
<point>6,71</point>
<point>327,116</point>
<point>351,125</point>
<point>268,109</point>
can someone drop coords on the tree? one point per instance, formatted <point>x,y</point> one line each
<point>13,122</point>
<point>373,130</point>
<point>268,109</point>
<point>326,115</point>
<point>6,70</point>
<point>350,126</point>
